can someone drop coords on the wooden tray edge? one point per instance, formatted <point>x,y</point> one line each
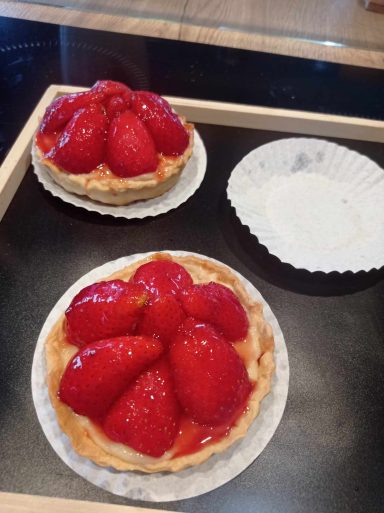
<point>23,503</point>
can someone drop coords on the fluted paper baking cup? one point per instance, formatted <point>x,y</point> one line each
<point>188,183</point>
<point>314,204</point>
<point>161,487</point>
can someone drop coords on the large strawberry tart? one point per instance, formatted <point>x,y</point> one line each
<point>160,365</point>
<point>113,144</point>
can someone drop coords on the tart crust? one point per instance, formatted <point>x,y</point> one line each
<point>256,352</point>
<point>103,186</point>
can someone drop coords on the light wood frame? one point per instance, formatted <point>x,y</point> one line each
<point>23,503</point>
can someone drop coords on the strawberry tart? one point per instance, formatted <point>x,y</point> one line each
<point>160,365</point>
<point>112,144</point>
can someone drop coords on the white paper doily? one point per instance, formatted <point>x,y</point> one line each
<point>313,204</point>
<point>188,183</point>
<point>162,487</point>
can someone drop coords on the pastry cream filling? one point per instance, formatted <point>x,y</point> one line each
<point>121,451</point>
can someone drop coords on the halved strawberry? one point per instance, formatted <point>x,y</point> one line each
<point>130,147</point>
<point>80,148</point>
<point>110,88</point>
<point>169,134</point>
<point>103,310</point>
<point>211,381</point>
<point>218,305</point>
<point>146,416</point>
<point>161,319</point>
<point>62,109</point>
<point>162,277</point>
<point>100,372</point>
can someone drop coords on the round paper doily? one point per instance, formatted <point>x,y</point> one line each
<point>188,183</point>
<point>161,487</point>
<point>313,204</point>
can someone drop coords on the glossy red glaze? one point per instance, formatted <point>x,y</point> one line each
<point>162,277</point>
<point>130,150</point>
<point>211,380</point>
<point>170,136</point>
<point>193,437</point>
<point>45,142</point>
<point>100,372</point>
<point>131,141</point>
<point>103,310</point>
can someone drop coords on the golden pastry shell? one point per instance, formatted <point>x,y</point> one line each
<point>103,186</point>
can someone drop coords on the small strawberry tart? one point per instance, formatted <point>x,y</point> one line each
<point>160,365</point>
<point>112,144</point>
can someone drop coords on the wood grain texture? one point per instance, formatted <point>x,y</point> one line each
<point>22,503</point>
<point>91,20</point>
<point>278,27</point>
<point>376,6</point>
<point>369,3</point>
<point>345,21</point>
<point>169,10</point>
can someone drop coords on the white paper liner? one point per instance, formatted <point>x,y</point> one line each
<point>313,204</point>
<point>161,487</point>
<point>188,183</point>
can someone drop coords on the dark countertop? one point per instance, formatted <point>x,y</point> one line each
<point>328,452</point>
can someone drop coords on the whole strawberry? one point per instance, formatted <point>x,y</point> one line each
<point>114,106</point>
<point>162,277</point>
<point>80,148</point>
<point>100,372</point>
<point>169,134</point>
<point>103,310</point>
<point>146,416</point>
<point>110,88</point>
<point>218,305</point>
<point>161,319</point>
<point>211,381</point>
<point>130,147</point>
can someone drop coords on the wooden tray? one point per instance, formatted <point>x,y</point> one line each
<point>198,111</point>
<point>18,160</point>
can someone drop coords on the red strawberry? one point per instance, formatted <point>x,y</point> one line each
<point>218,305</point>
<point>61,110</point>
<point>109,88</point>
<point>130,147</point>
<point>211,381</point>
<point>45,142</point>
<point>103,310</point>
<point>162,277</point>
<point>161,319</point>
<point>100,372</point>
<point>169,134</point>
<point>114,106</point>
<point>80,148</point>
<point>146,416</point>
